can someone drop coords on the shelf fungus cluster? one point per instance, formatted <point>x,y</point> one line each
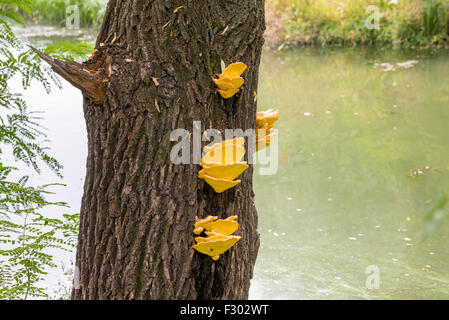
<point>219,238</point>
<point>264,128</point>
<point>223,163</point>
<point>229,81</point>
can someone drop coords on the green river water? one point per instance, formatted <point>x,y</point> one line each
<point>350,137</point>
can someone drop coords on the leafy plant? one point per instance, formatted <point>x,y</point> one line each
<point>91,12</point>
<point>27,237</point>
<point>9,9</point>
<point>69,50</point>
<point>435,19</point>
<point>340,22</point>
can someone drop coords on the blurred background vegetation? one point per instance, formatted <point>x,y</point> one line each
<point>404,23</point>
<point>54,12</point>
<point>342,22</point>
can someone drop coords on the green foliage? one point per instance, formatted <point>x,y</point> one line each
<point>27,237</point>
<point>434,20</point>
<point>69,50</point>
<point>9,9</point>
<point>340,22</point>
<point>91,12</point>
<point>18,127</point>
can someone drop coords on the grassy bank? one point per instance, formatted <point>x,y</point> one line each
<point>55,12</point>
<point>404,23</point>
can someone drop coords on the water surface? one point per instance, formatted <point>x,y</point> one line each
<point>350,136</point>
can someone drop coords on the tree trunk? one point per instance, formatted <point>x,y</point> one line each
<point>156,59</point>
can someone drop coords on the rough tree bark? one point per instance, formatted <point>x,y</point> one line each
<point>151,74</point>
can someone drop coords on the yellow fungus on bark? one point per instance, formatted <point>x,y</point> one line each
<point>219,238</point>
<point>226,94</point>
<point>217,247</point>
<point>225,154</point>
<point>211,233</point>
<point>220,185</point>
<point>266,117</point>
<point>214,226</point>
<point>264,141</point>
<point>93,54</point>
<point>222,163</point>
<point>214,237</point>
<point>237,141</point>
<point>224,227</point>
<point>200,223</point>
<point>264,128</point>
<point>267,127</point>
<point>198,230</point>
<point>234,70</point>
<point>229,81</point>
<point>226,171</point>
<point>224,85</point>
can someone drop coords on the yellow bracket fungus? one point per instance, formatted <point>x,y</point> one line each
<point>220,185</point>
<point>226,94</point>
<point>225,154</point>
<point>266,117</point>
<point>213,225</point>
<point>264,128</point>
<point>225,171</point>
<point>264,141</point>
<point>219,238</point>
<point>237,141</point>
<point>217,247</point>
<point>200,223</point>
<point>214,237</point>
<point>222,163</point>
<point>229,81</point>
